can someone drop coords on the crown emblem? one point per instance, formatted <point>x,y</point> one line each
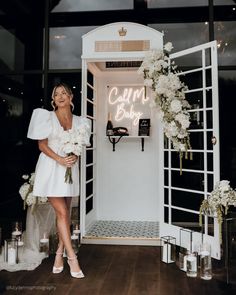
<point>122,31</point>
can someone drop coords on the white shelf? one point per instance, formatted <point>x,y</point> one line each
<point>113,138</point>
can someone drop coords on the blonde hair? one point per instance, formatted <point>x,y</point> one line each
<point>68,91</point>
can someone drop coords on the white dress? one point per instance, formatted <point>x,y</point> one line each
<point>49,174</point>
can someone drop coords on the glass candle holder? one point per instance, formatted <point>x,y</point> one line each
<point>75,229</point>
<point>191,265</point>
<point>16,230</point>
<point>205,262</point>
<point>75,243</point>
<point>183,253</point>
<point>20,250</point>
<point>44,245</point>
<point>168,249</point>
<point>10,251</point>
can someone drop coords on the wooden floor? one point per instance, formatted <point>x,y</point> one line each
<point>112,270</point>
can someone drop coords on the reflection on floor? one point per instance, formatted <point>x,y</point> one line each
<point>124,229</point>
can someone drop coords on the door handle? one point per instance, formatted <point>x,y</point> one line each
<point>213,140</point>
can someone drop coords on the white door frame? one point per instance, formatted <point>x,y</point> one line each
<point>168,228</point>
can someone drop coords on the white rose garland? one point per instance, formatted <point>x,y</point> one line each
<point>169,98</point>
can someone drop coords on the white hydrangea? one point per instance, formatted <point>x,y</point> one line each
<point>168,46</point>
<point>175,106</point>
<point>26,192</point>
<point>183,119</point>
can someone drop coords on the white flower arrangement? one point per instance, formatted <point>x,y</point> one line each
<point>169,96</point>
<point>218,202</point>
<point>72,142</point>
<point>26,192</point>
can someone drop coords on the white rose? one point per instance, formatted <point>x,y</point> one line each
<point>168,46</point>
<point>176,106</point>
<point>224,185</point>
<point>148,82</point>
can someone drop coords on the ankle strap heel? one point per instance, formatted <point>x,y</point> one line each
<point>75,274</point>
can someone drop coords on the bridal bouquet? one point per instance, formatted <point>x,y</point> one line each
<point>218,202</point>
<point>26,192</point>
<point>72,142</point>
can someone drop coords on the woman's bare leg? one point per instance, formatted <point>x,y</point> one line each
<point>63,225</point>
<point>60,248</point>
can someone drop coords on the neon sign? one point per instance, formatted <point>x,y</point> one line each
<point>128,102</point>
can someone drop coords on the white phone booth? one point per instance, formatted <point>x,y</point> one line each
<point>129,184</point>
<point>121,185</point>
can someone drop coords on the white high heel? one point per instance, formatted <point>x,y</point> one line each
<point>75,274</point>
<point>58,269</point>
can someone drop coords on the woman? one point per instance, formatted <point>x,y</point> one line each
<point>48,127</point>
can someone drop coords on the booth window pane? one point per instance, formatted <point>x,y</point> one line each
<point>188,180</point>
<point>196,139</point>
<point>197,163</point>
<point>89,188</point>
<point>166,214</point>
<point>225,36</point>
<point>196,100</point>
<point>187,200</point>
<point>185,219</point>
<point>90,78</point>
<point>65,47</point>
<point>84,5</point>
<point>166,196</point>
<point>179,3</point>
<point>89,172</point>
<point>89,205</point>
<point>90,108</point>
<point>90,93</point>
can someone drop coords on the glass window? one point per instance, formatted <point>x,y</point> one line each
<point>194,34</point>
<point>65,47</point>
<point>22,49</point>
<point>19,95</point>
<point>227,106</point>
<point>178,3</point>
<point>225,36</point>
<point>224,2</point>
<point>91,5</point>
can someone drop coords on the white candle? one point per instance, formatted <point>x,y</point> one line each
<point>205,253</point>
<point>192,260</point>
<point>20,243</point>
<point>185,263</point>
<point>74,237</point>
<point>11,253</point>
<point>166,253</point>
<point>16,232</point>
<point>44,240</point>
<point>76,231</point>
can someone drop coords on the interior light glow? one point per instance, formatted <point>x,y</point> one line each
<point>126,101</point>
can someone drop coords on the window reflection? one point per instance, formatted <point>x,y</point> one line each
<point>179,3</point>
<point>85,5</point>
<point>194,34</point>
<point>226,43</point>
<point>66,47</point>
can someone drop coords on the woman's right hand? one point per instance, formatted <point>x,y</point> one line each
<point>67,161</point>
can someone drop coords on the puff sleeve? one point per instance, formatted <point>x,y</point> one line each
<point>85,124</point>
<point>40,124</point>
